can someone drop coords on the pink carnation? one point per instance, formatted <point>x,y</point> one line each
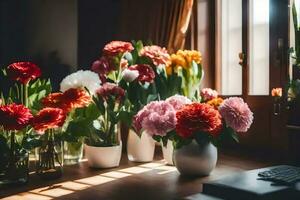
<point>178,101</point>
<point>208,94</point>
<point>156,118</point>
<point>156,54</point>
<point>236,114</point>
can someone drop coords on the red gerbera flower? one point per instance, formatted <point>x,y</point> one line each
<point>198,117</point>
<point>23,71</point>
<point>48,118</point>
<point>70,99</point>
<point>14,117</point>
<point>116,47</point>
<point>146,73</point>
<point>53,100</point>
<point>75,98</point>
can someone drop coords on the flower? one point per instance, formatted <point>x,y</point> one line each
<point>236,114</point>
<point>23,72</point>
<point>123,63</point>
<point>178,101</point>
<point>70,99</point>
<point>156,54</point>
<point>156,118</point>
<point>277,92</point>
<point>184,59</point>
<point>130,75</point>
<point>116,47</point>
<point>102,67</point>
<point>198,117</point>
<point>81,79</point>
<point>208,94</point>
<point>75,98</point>
<point>48,118</point>
<point>216,102</point>
<point>146,73</point>
<point>14,117</point>
<point>110,90</point>
<point>53,100</point>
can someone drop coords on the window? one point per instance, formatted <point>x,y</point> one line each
<point>231,44</point>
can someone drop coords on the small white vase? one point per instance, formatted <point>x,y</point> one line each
<point>196,160</point>
<point>140,149</point>
<point>103,157</point>
<point>168,152</point>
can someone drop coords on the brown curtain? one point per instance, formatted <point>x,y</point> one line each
<point>163,22</point>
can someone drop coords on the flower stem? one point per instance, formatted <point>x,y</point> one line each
<point>26,94</point>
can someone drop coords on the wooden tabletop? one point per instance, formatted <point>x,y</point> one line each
<point>132,181</point>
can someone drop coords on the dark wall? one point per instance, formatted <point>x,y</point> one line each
<point>98,22</point>
<point>41,31</point>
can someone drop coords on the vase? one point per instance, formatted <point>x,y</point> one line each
<point>14,168</point>
<point>168,152</point>
<point>49,161</point>
<point>140,149</point>
<point>103,157</point>
<point>73,152</point>
<point>196,160</point>
<point>296,72</point>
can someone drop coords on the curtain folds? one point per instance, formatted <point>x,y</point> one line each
<point>163,22</point>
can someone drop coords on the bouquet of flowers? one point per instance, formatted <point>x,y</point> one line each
<point>16,108</point>
<point>98,121</point>
<point>182,121</point>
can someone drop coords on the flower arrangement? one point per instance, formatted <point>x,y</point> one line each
<point>16,113</point>
<point>180,120</point>
<point>97,123</point>
<point>148,73</point>
<point>45,123</point>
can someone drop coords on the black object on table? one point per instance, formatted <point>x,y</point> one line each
<point>248,186</point>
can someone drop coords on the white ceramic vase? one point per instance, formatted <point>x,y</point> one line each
<point>103,157</point>
<point>195,159</point>
<point>168,152</point>
<point>140,149</point>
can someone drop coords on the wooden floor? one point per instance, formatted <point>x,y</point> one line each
<point>131,181</point>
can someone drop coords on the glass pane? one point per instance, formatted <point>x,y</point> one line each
<point>259,47</point>
<point>231,44</point>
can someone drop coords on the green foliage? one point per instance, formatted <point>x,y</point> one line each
<point>297,34</point>
<point>36,91</point>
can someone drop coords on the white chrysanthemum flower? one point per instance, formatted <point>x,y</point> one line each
<point>130,75</point>
<point>81,79</point>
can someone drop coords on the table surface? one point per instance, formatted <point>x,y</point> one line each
<point>131,180</point>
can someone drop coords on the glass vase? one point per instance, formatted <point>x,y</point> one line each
<point>50,157</point>
<point>14,168</point>
<point>73,152</point>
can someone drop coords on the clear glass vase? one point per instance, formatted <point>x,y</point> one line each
<point>73,152</point>
<point>49,159</point>
<point>14,168</point>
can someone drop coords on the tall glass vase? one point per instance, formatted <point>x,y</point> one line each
<point>73,152</point>
<point>50,157</point>
<point>14,167</point>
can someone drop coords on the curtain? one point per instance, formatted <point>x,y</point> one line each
<point>162,22</point>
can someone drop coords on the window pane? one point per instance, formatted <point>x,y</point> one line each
<point>231,44</point>
<point>259,47</point>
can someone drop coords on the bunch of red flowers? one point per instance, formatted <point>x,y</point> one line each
<point>198,117</point>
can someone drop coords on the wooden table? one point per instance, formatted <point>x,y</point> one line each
<point>132,181</point>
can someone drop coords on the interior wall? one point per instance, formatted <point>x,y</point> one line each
<point>44,32</point>
<point>98,23</point>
